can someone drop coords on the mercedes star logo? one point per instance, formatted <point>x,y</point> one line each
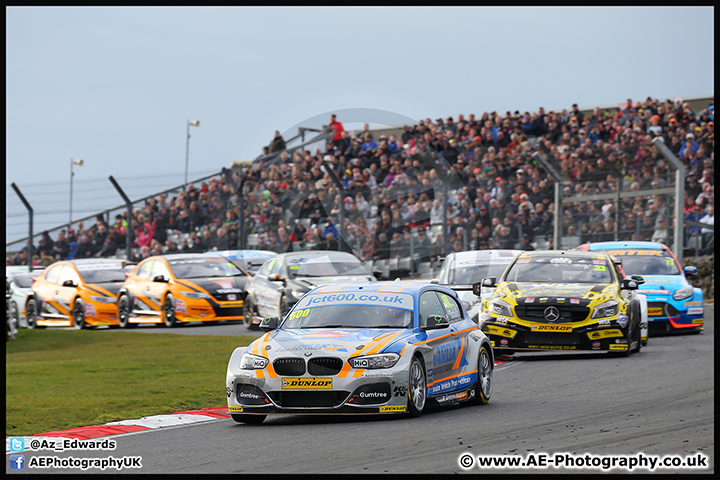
<point>552,314</point>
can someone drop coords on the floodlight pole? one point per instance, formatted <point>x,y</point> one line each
<point>30,227</point>
<point>557,180</point>
<point>128,232</point>
<point>679,239</point>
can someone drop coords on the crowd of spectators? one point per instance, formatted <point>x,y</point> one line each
<point>393,186</point>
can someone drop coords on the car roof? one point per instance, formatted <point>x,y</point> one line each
<point>96,263</point>
<point>244,254</point>
<point>411,287</point>
<point>181,256</point>
<point>629,244</point>
<point>479,255</point>
<point>332,254</point>
<point>567,253</point>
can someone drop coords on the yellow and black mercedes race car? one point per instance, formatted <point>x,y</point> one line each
<point>559,301</point>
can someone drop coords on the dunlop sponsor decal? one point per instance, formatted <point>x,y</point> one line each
<point>233,409</point>
<point>655,312</point>
<point>698,320</point>
<point>306,383</point>
<point>393,408</point>
<point>620,346</point>
<point>535,327</point>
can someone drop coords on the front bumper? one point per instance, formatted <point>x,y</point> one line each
<point>517,336</point>
<point>356,391</point>
<point>665,313</point>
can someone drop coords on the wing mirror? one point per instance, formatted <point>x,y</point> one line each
<point>690,271</point>
<point>638,279</point>
<point>489,282</point>
<point>268,324</point>
<point>436,322</point>
<point>69,283</point>
<point>629,284</point>
<point>160,279</point>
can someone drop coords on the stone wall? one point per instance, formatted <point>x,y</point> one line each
<point>705,279</point>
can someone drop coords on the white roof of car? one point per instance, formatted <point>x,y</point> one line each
<point>480,257</point>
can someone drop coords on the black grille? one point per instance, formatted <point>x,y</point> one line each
<point>309,399</point>
<point>550,338</point>
<point>536,313</point>
<point>225,297</point>
<point>289,366</point>
<point>324,366</point>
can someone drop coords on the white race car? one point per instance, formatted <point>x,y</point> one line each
<point>460,270</point>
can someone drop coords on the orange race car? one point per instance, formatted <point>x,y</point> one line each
<point>75,293</point>
<point>181,288</point>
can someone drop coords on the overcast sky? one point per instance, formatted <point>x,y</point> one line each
<point>116,86</point>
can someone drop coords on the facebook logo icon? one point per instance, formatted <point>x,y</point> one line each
<point>17,462</point>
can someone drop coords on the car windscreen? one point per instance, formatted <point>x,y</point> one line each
<point>352,310</point>
<point>468,273</point>
<point>103,275</point>
<point>299,267</point>
<point>204,268</point>
<point>646,262</point>
<point>559,270</point>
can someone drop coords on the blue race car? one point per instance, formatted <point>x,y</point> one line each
<point>673,304</point>
<point>362,348</point>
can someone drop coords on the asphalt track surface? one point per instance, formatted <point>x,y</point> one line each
<point>654,404</point>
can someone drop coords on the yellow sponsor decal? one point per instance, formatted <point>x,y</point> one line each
<point>551,328</point>
<point>501,331</point>
<point>231,304</point>
<point>306,383</point>
<point>698,320</point>
<point>598,334</point>
<point>393,408</point>
<point>618,346</point>
<point>655,312</point>
<point>232,409</point>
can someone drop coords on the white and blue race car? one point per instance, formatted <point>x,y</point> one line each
<point>673,304</point>
<point>362,348</point>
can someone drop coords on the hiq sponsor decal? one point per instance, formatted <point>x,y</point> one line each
<point>695,311</point>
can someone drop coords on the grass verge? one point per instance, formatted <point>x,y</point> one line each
<point>60,379</point>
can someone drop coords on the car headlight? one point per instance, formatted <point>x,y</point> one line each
<point>383,360</point>
<point>195,295</point>
<point>683,293</point>
<point>99,299</point>
<point>499,306</point>
<point>253,362</point>
<point>606,309</point>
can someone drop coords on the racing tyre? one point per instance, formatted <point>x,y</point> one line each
<point>248,312</point>
<point>78,315</point>
<point>169,311</point>
<point>634,334</point>
<point>249,419</point>
<point>417,387</point>
<point>124,313</point>
<point>484,386</point>
<point>31,314</point>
